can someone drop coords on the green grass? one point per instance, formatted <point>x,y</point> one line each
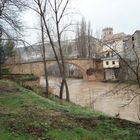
<point>73,134</point>
<point>6,135</point>
<point>25,115</point>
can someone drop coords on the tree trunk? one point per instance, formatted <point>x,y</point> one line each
<point>67,91</point>
<point>0,69</point>
<point>63,74</point>
<point>61,89</point>
<point>44,59</point>
<point>0,54</point>
<point>64,83</point>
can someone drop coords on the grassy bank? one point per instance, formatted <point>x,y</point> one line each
<point>25,115</point>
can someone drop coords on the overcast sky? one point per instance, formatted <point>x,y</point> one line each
<point>122,15</point>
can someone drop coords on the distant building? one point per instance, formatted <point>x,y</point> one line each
<point>113,44</point>
<point>107,33</point>
<point>131,56</point>
<point>132,46</point>
<point>92,49</point>
<point>34,52</point>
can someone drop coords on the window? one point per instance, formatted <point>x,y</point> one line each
<point>133,46</point>
<point>133,38</point>
<point>107,62</point>
<point>113,62</point>
<point>107,55</point>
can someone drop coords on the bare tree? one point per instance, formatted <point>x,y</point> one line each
<point>10,22</point>
<point>84,39</point>
<point>81,37</point>
<point>10,16</point>
<point>57,11</point>
<point>89,40</point>
<point>44,56</point>
<point>77,39</point>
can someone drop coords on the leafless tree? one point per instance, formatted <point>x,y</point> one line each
<point>81,38</point>
<point>89,39</point>
<point>54,16</point>
<point>84,39</point>
<point>10,11</point>
<point>10,23</point>
<point>44,56</point>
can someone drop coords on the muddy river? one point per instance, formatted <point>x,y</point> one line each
<point>109,98</point>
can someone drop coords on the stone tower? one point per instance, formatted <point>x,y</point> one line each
<point>107,33</point>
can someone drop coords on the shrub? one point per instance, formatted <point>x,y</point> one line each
<point>6,71</point>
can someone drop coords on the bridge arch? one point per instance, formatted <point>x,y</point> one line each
<point>80,68</point>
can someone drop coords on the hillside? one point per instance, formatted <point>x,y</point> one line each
<point>25,115</point>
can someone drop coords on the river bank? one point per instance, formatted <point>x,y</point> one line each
<point>26,115</point>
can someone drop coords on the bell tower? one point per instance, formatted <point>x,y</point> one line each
<point>107,33</point>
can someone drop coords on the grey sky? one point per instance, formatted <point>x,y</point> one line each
<point>122,15</point>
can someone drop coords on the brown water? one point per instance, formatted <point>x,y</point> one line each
<point>97,96</point>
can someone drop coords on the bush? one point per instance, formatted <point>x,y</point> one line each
<point>6,71</point>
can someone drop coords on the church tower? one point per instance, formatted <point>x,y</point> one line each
<point>107,33</point>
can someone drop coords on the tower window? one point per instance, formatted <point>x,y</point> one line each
<point>133,38</point>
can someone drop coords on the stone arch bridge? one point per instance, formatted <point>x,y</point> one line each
<point>36,67</point>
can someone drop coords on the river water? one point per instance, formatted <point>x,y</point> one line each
<point>109,98</point>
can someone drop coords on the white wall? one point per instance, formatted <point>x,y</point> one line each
<point>109,63</point>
